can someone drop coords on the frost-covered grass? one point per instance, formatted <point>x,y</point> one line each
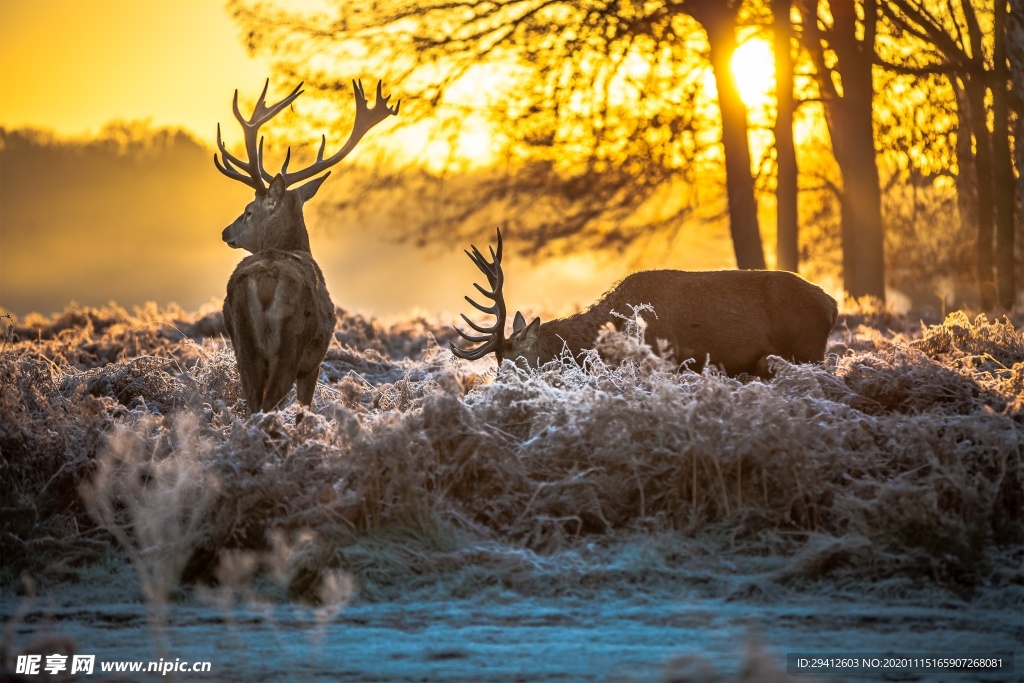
<point>898,462</point>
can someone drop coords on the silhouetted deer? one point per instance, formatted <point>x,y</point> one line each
<point>277,311</point>
<point>737,318</point>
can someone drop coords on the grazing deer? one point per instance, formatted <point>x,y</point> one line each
<point>277,312</point>
<point>734,318</point>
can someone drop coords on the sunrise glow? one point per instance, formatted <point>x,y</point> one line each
<point>753,67</point>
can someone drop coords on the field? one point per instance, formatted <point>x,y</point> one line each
<point>438,520</point>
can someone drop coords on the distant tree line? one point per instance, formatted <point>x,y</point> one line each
<point>133,214</point>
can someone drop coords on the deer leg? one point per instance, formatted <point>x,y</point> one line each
<point>810,352</point>
<point>305,384</point>
<point>279,383</point>
<point>253,384</point>
<point>284,367</point>
<point>252,367</point>
<point>761,368</point>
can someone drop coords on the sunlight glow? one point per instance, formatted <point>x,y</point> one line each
<point>72,67</point>
<point>753,67</point>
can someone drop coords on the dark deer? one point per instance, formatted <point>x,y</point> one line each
<point>277,312</point>
<point>733,318</point>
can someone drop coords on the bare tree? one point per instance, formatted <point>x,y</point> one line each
<point>787,235</point>
<point>974,59</point>
<point>848,113</point>
<point>605,139</point>
<point>1002,162</point>
<point>1015,54</point>
<point>719,19</point>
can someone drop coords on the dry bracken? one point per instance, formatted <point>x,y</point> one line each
<point>901,459</point>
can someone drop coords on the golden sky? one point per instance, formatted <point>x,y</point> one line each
<point>72,66</point>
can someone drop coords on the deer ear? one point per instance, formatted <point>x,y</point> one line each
<point>277,189</point>
<point>531,333</point>
<point>518,323</point>
<point>307,191</point>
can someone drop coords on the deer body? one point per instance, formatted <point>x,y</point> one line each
<point>279,317</point>
<point>734,318</point>
<point>277,311</point>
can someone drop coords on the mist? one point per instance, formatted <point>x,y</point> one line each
<point>135,215</point>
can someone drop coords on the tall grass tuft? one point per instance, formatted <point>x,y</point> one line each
<point>152,492</point>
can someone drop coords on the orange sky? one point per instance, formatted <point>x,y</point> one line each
<point>72,66</point>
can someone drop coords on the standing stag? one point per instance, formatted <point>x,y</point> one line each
<point>277,312</point>
<point>734,318</point>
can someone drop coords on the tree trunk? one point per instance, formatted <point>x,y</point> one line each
<point>718,17</point>
<point>986,201</point>
<point>1015,45</point>
<point>974,82</point>
<point>849,119</point>
<point>967,168</point>
<point>1002,165</point>
<point>865,237</point>
<point>787,235</point>
<point>1015,51</point>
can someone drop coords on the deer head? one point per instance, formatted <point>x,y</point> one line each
<point>525,338</point>
<point>273,220</point>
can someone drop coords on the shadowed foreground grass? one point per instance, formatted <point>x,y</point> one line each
<point>894,467</point>
<point>900,457</point>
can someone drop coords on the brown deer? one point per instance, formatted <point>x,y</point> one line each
<point>733,318</point>
<point>277,312</point>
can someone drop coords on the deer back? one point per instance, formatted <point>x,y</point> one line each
<point>280,319</point>
<point>277,311</point>
<point>277,306</point>
<point>736,318</point>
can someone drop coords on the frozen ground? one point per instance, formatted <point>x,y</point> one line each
<point>610,521</point>
<point>670,635</point>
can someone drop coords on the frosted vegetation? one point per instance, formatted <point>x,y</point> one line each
<point>895,465</point>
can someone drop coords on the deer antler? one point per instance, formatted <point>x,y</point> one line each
<point>256,176</point>
<point>494,336</point>
<point>366,118</point>
<point>253,166</point>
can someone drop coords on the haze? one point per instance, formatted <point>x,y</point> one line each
<point>153,234</point>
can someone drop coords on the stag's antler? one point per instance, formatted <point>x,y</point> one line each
<point>256,176</point>
<point>253,166</point>
<point>366,118</point>
<point>494,336</point>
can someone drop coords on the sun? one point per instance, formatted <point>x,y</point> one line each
<point>753,67</point>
